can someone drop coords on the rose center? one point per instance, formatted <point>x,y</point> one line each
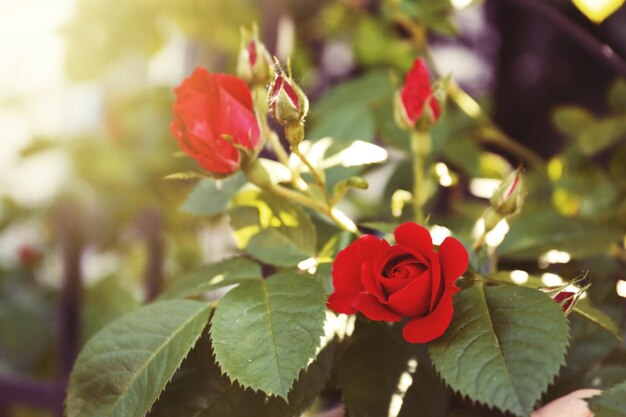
<point>403,267</point>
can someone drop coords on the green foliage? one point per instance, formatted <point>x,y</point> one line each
<point>271,229</point>
<point>503,348</point>
<point>370,367</point>
<point>227,272</point>
<point>264,332</point>
<point>533,233</point>
<point>211,197</point>
<point>427,393</point>
<point>199,389</point>
<point>123,369</point>
<point>611,403</point>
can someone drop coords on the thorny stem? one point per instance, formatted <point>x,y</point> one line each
<point>316,175</point>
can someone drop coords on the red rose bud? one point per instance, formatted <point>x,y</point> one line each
<point>509,196</point>
<point>287,103</point>
<point>415,103</point>
<point>409,279</point>
<point>29,255</point>
<point>214,119</point>
<point>254,64</point>
<point>565,298</point>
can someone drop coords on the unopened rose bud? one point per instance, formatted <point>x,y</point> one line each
<point>287,103</point>
<point>255,63</point>
<point>565,299</point>
<point>415,105</point>
<point>509,197</point>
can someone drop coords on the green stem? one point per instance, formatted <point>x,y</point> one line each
<point>420,148</point>
<point>316,175</point>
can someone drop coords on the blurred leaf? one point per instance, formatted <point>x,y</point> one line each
<point>590,344</point>
<point>124,368</point>
<point>617,96</point>
<point>611,403</point>
<point>571,120</point>
<point>350,123</point>
<point>597,317</point>
<point>427,393</point>
<point>265,332</point>
<point>106,301</point>
<point>370,367</point>
<point>533,233</point>
<point>600,135</point>
<point>211,197</point>
<point>493,330</point>
<point>605,377</point>
<point>227,272</point>
<point>272,247</point>
<point>272,229</point>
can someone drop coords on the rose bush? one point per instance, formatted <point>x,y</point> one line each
<point>409,279</point>
<point>213,114</point>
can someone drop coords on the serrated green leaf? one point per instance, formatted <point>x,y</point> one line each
<point>264,332</point>
<point>199,389</point>
<point>211,197</point>
<point>611,403</point>
<point>227,272</point>
<point>504,346</point>
<point>123,369</point>
<point>370,367</point>
<point>534,233</point>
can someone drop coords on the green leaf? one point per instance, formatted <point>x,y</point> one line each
<point>272,247</point>
<point>611,403</point>
<point>264,332</point>
<point>572,119</point>
<point>199,389</point>
<point>370,367</point>
<point>272,229</point>
<point>585,309</point>
<point>601,134</point>
<point>123,369</point>
<point>227,272</point>
<point>211,197</point>
<point>534,233</point>
<point>504,346</point>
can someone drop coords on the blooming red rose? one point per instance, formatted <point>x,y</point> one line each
<point>212,113</point>
<point>409,279</point>
<point>417,93</point>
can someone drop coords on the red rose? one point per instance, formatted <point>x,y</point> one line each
<point>417,93</point>
<point>212,113</point>
<point>409,279</point>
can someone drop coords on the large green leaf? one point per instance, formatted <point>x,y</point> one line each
<point>123,369</point>
<point>370,368</point>
<point>264,332</point>
<point>275,248</point>
<point>211,197</point>
<point>611,403</point>
<point>227,272</point>
<point>504,346</point>
<point>534,233</point>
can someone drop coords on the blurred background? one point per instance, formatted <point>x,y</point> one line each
<point>89,227</point>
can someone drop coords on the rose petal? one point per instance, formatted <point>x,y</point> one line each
<point>453,258</point>
<point>392,285</point>
<point>438,283</point>
<point>373,310</point>
<point>416,90</point>
<point>414,299</point>
<point>372,283</point>
<point>347,271</point>
<point>415,236</point>
<point>430,327</point>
